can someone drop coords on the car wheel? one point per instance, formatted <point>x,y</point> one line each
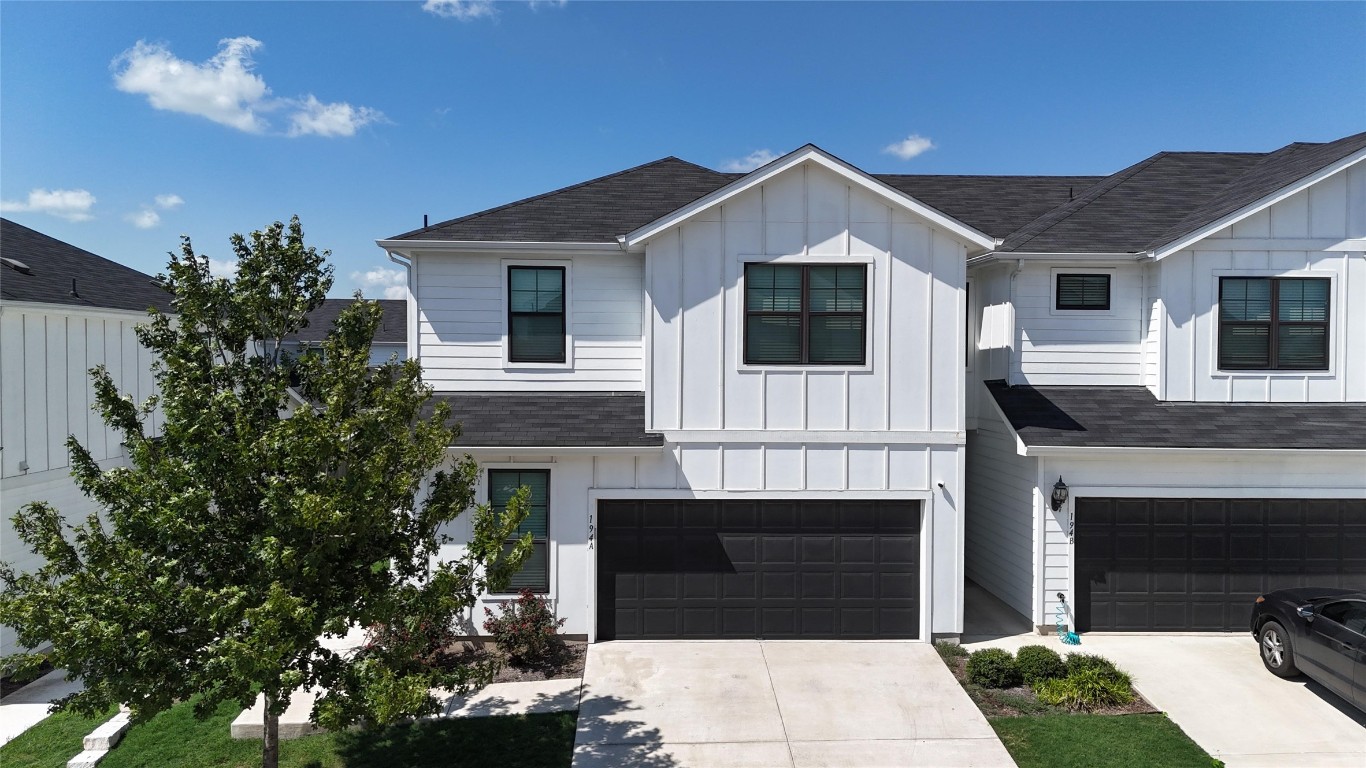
<point>1277,653</point>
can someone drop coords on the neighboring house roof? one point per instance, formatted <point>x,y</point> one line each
<point>1131,417</point>
<point>548,419</point>
<point>53,265</point>
<point>1147,205</point>
<point>393,327</point>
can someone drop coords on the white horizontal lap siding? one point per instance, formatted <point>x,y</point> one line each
<point>1329,216</point>
<point>1152,327</point>
<point>462,321</point>
<point>913,379</point>
<point>1000,520</point>
<point>1232,474</point>
<point>1097,348</point>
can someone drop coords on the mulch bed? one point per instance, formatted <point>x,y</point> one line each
<point>566,663</point>
<point>9,685</point>
<point>1011,702</point>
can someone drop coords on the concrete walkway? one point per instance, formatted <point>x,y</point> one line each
<point>803,704</point>
<point>28,706</point>
<point>1214,687</point>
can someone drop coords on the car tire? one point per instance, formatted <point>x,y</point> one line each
<point>1274,646</point>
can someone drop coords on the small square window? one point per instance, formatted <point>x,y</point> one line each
<point>1083,292</point>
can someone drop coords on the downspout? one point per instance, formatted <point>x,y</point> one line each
<point>411,309</point>
<point>1016,336</point>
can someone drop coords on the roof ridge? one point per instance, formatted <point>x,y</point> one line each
<point>1090,195</point>
<point>505,206</point>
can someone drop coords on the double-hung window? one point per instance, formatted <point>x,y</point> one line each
<point>536,315</point>
<point>1273,323</point>
<point>805,314</point>
<point>503,483</point>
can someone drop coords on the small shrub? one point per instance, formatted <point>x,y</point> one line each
<point>423,641</point>
<point>525,629</point>
<point>1086,689</point>
<point>1077,662</point>
<point>993,668</point>
<point>1037,663</point>
<point>949,650</point>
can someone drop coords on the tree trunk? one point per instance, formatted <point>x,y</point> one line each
<point>270,743</point>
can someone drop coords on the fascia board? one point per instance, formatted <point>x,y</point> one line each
<point>1142,450</point>
<point>1258,206</point>
<point>499,246</point>
<point>820,157</point>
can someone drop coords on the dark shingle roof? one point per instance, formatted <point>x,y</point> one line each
<point>996,205</point>
<point>54,264</point>
<point>393,327</point>
<point>1132,417</point>
<point>1276,171</point>
<point>550,419</point>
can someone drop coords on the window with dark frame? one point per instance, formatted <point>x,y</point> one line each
<point>503,484</point>
<point>536,315</point>
<point>805,314</point>
<point>1082,292</point>
<point>1273,323</point>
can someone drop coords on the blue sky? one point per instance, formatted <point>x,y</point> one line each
<point>125,125</point>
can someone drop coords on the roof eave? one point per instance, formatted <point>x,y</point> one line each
<point>993,256</point>
<point>808,153</point>
<point>485,246</point>
<point>1251,209</point>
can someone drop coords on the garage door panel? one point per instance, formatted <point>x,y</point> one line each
<point>764,569</point>
<point>1133,576</point>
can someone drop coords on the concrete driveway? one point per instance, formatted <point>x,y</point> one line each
<point>799,704</point>
<point>1215,688</point>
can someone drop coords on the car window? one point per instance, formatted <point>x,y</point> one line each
<point>1349,613</point>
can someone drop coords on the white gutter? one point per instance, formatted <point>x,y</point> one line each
<point>548,450</point>
<point>1145,450</point>
<point>992,256</point>
<point>488,246</point>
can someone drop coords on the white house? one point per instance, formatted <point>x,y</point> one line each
<point>390,339</point>
<point>63,311</point>
<point>783,404</point>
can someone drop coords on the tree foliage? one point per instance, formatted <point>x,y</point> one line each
<point>243,528</point>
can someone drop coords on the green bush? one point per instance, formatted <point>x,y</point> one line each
<point>993,668</point>
<point>525,629</point>
<point>1077,662</point>
<point>1086,689</point>
<point>950,650</point>
<point>1037,663</point>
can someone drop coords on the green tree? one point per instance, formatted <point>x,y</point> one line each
<point>244,531</point>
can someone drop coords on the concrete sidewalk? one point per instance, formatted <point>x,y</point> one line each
<point>800,704</point>
<point>28,706</point>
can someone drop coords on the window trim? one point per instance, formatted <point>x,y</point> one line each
<point>549,591</point>
<point>805,313</point>
<point>1273,325</point>
<point>1112,306</point>
<point>1057,291</point>
<point>505,314</point>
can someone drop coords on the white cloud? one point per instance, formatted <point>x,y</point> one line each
<point>224,89</point>
<point>536,5</point>
<point>393,283</point>
<point>336,119</point>
<point>749,162</point>
<point>144,219</point>
<point>69,204</point>
<point>462,10</point>
<point>912,145</point>
<point>167,202</point>
<point>224,268</point>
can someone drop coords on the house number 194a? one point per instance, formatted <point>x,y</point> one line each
<point>592,530</point>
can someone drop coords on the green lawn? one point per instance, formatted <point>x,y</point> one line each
<point>176,738</point>
<point>1098,741</point>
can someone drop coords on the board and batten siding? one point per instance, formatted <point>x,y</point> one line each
<point>462,323</point>
<point>1317,232</point>
<point>914,373</point>
<point>1000,516</point>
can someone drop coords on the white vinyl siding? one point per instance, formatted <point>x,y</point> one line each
<point>1000,514</point>
<point>1071,347</point>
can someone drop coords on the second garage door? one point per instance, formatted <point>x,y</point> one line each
<point>762,568</point>
<point>1198,564</point>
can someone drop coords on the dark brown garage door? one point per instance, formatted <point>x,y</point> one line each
<point>768,569</point>
<point>1198,564</point>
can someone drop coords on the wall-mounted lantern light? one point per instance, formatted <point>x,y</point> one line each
<point>1059,497</point>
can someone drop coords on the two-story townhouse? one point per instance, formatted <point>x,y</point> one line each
<point>737,398</point>
<point>1179,354</point>
<point>390,339</point>
<point>63,311</point>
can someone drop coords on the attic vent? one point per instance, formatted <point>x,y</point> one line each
<point>16,265</point>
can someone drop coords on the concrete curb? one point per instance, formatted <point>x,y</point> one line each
<point>97,744</point>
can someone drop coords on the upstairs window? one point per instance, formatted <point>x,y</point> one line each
<point>536,314</point>
<point>1273,323</point>
<point>1083,292</point>
<point>503,483</point>
<point>805,314</point>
